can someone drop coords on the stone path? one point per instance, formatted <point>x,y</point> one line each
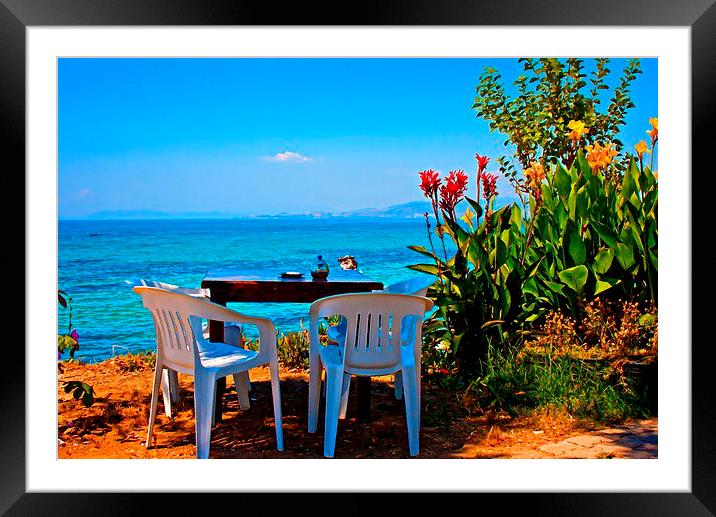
<point>637,440</point>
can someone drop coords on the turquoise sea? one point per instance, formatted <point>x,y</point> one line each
<point>95,257</point>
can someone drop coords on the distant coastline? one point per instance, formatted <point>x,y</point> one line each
<point>410,210</point>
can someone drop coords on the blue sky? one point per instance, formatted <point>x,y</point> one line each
<point>276,135</point>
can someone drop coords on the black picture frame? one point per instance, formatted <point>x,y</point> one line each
<point>699,15</point>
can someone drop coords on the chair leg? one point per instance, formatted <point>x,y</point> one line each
<point>166,391</point>
<point>412,410</point>
<point>158,369</point>
<point>345,391</point>
<point>241,380</point>
<point>334,382</point>
<point>213,414</point>
<point>276,392</point>
<point>398,381</point>
<point>314,392</point>
<point>204,386</point>
<point>174,385</point>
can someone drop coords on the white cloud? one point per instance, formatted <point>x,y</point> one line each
<point>288,156</point>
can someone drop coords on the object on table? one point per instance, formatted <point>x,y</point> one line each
<point>321,270</point>
<point>348,262</point>
<point>291,274</point>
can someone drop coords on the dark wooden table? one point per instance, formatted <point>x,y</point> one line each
<point>230,285</point>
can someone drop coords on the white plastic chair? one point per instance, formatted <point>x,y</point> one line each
<point>232,336</point>
<point>368,348</point>
<point>182,347</point>
<point>418,286</point>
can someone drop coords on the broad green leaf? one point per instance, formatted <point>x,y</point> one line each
<point>562,180</point>
<point>624,255</point>
<point>603,261</point>
<point>577,249</point>
<point>604,233</point>
<point>554,286</point>
<point>605,283</point>
<point>575,277</point>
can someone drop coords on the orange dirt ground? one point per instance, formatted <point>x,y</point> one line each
<point>452,427</point>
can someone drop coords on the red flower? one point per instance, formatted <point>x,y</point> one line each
<point>489,185</point>
<point>482,162</point>
<point>453,190</point>
<point>429,182</point>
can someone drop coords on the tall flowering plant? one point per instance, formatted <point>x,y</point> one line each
<point>476,285</point>
<point>584,231</point>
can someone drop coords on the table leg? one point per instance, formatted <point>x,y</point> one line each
<point>216,334</point>
<point>363,393</point>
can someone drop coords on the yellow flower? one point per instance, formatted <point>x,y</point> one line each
<point>535,174</point>
<point>656,175</point>
<point>467,217</point>
<point>578,129</point>
<point>641,148</point>
<point>599,157</point>
<point>654,131</point>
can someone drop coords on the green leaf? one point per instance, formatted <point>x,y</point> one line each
<point>562,180</point>
<point>605,283</point>
<point>575,277</point>
<point>604,233</point>
<point>66,342</point>
<point>577,249</point>
<point>624,255</point>
<point>554,286</point>
<point>603,261</point>
<point>475,206</point>
<point>430,269</point>
<point>423,251</point>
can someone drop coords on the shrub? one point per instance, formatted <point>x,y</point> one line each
<point>586,231</point>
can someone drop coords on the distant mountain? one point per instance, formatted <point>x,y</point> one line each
<point>156,214</point>
<point>402,211</point>
<point>410,210</point>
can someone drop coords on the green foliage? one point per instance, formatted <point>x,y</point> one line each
<point>550,93</point>
<point>582,388</point>
<point>70,341</point>
<point>293,349</point>
<point>80,390</point>
<point>66,342</point>
<point>598,236</point>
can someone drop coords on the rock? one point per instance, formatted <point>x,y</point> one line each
<point>348,262</point>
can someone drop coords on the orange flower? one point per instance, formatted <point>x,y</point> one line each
<point>654,131</point>
<point>535,174</point>
<point>599,157</point>
<point>641,148</point>
<point>578,129</point>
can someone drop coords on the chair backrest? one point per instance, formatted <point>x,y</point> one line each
<point>191,291</point>
<point>417,285</point>
<point>177,321</point>
<point>373,324</point>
